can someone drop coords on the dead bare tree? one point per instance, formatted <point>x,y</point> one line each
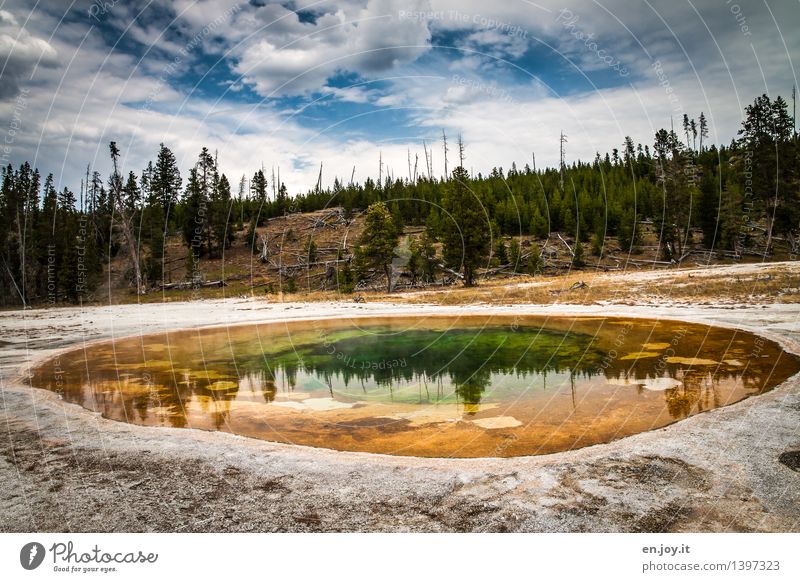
<point>427,160</point>
<point>264,255</point>
<point>444,147</point>
<point>125,212</point>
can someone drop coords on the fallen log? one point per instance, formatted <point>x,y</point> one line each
<point>193,285</point>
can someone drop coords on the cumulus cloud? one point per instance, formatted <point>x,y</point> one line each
<point>287,56</point>
<point>98,81</point>
<point>20,54</point>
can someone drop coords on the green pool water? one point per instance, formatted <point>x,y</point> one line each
<point>428,386</point>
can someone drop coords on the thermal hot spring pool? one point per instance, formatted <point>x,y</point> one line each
<point>427,386</point>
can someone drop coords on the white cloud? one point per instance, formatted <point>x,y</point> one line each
<point>20,53</point>
<point>83,97</point>
<point>6,18</point>
<point>286,56</point>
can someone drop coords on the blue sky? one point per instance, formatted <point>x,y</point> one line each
<point>292,84</point>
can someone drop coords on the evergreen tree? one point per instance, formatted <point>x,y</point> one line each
<point>627,232</point>
<point>379,240</point>
<point>311,251</point>
<point>251,237</point>
<point>71,265</point>
<point>132,194</point>
<point>500,252</point>
<point>414,265</point>
<point>709,208</point>
<point>48,252</point>
<point>165,184</point>
<point>769,160</point>
<point>514,255</point>
<point>535,263</point>
<point>465,235</point>
<point>195,215</point>
<point>345,279</point>
<point>428,262</point>
<point>703,130</point>
<point>197,230</point>
<point>282,201</point>
<point>221,211</point>
<point>577,256</point>
<point>539,227</point>
<point>598,242</point>
<point>676,174</point>
<point>258,187</point>
<point>732,193</point>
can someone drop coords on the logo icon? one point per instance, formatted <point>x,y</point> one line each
<point>31,555</point>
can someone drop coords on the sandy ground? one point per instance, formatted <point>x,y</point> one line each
<point>63,468</point>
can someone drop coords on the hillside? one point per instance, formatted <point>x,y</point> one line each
<point>287,271</point>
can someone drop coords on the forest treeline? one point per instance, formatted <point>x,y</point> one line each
<point>55,246</point>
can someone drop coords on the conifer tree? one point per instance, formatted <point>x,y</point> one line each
<point>165,184</point>
<point>514,255</point>
<point>535,263</point>
<point>577,256</point>
<point>465,237</point>
<point>378,241</point>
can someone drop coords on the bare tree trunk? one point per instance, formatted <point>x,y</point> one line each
<point>468,277</point>
<point>771,223</point>
<point>133,254</point>
<point>22,249</point>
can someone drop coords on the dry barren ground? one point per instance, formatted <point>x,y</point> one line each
<point>63,468</point>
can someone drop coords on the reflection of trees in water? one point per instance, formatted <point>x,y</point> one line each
<point>466,358</point>
<point>709,388</point>
<point>160,391</point>
<point>680,401</point>
<point>701,386</point>
<point>267,385</point>
<point>701,389</point>
<point>178,419</point>
<point>470,389</point>
<point>259,383</point>
<point>179,396</point>
<point>222,413</point>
